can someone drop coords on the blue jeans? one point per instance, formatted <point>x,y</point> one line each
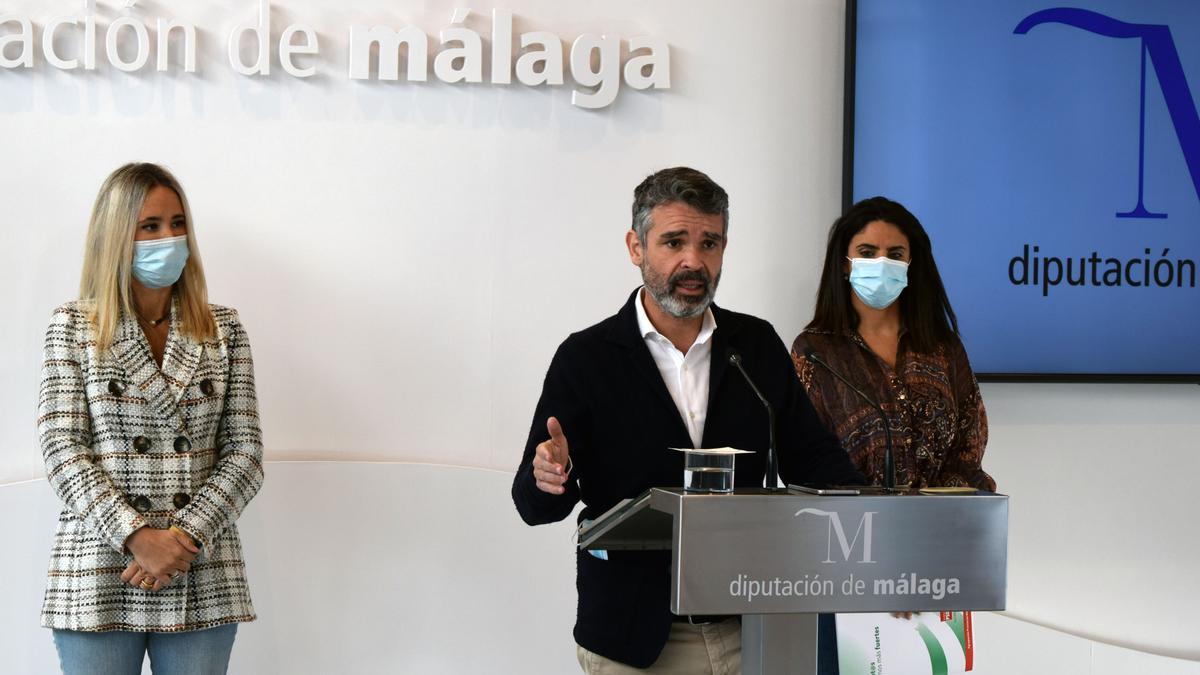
<point>199,652</point>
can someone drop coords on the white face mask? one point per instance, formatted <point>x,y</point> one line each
<point>157,263</point>
<point>878,281</point>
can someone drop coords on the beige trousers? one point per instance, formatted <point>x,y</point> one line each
<point>709,649</point>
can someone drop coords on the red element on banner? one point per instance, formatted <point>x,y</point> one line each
<point>968,642</point>
<point>946,616</point>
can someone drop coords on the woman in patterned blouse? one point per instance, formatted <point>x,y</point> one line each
<point>901,348</point>
<point>149,430</point>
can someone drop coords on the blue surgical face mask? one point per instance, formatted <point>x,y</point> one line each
<point>878,281</point>
<point>157,263</point>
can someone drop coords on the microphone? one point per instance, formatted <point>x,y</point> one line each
<point>889,459</point>
<point>735,360</point>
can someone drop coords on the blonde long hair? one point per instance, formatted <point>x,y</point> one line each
<point>108,258</point>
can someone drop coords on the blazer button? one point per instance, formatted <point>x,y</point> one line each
<point>182,444</point>
<point>116,387</point>
<point>140,503</point>
<point>181,499</point>
<point>141,444</point>
<point>206,387</point>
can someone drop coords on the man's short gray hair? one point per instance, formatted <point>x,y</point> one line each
<point>678,184</point>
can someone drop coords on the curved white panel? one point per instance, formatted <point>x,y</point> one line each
<point>1102,516</point>
<point>363,568</point>
<point>1008,646</point>
<point>356,568</point>
<point>422,569</point>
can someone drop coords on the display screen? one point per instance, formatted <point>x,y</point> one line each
<point>1053,155</point>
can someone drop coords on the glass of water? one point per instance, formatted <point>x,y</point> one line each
<point>708,470</point>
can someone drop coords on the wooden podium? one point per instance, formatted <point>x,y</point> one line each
<point>779,558</point>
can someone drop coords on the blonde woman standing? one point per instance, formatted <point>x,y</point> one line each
<point>149,428</point>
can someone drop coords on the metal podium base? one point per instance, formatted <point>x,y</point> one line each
<point>779,644</point>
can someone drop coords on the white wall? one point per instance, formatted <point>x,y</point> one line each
<point>407,256</point>
<point>401,239</point>
<point>1102,529</point>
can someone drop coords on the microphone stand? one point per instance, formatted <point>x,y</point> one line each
<point>889,458</point>
<point>735,359</point>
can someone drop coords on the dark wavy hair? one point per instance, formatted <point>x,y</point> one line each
<point>924,307</point>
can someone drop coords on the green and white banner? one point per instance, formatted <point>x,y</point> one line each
<point>929,643</point>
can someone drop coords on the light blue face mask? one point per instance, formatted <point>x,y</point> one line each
<point>157,263</point>
<point>878,281</point>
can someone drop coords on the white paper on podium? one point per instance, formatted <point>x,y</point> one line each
<point>714,451</point>
<point>930,643</point>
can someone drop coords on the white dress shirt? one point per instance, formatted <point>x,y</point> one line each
<point>686,375</point>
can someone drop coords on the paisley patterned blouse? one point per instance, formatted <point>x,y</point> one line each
<point>939,426</point>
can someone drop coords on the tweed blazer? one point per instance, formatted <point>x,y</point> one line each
<point>128,445</point>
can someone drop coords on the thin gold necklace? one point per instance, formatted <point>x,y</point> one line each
<point>154,322</point>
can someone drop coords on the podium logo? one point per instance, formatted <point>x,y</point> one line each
<point>846,546</point>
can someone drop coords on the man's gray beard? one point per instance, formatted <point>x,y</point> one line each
<point>677,307</point>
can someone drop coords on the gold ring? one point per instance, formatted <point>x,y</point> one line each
<point>142,583</point>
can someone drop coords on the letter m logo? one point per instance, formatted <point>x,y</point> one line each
<point>836,531</point>
<point>1158,49</point>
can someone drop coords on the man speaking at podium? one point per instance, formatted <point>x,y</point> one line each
<point>655,376</point>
